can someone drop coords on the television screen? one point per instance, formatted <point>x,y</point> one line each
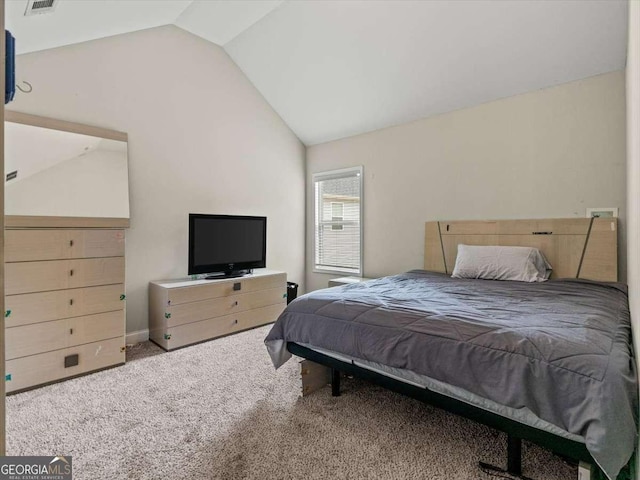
<point>225,243</point>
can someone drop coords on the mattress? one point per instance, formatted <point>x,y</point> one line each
<point>560,350</point>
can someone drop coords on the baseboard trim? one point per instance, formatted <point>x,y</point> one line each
<point>137,337</point>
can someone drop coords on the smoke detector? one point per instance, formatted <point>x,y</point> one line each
<point>37,7</point>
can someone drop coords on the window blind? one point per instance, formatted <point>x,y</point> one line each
<point>338,223</point>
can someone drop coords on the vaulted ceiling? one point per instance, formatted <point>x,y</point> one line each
<point>337,68</point>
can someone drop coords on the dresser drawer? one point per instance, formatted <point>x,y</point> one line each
<point>27,372</point>
<point>195,311</point>
<point>215,327</point>
<point>32,245</point>
<point>216,289</point>
<point>47,336</point>
<point>41,307</point>
<point>27,277</point>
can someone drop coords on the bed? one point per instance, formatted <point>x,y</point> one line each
<point>549,362</point>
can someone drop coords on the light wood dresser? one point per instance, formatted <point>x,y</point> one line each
<point>64,301</point>
<point>183,312</point>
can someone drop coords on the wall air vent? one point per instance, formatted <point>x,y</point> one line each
<point>36,7</point>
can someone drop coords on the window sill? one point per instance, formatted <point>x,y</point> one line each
<point>341,271</point>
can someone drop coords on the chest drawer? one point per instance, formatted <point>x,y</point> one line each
<point>192,312</point>
<point>43,306</point>
<point>214,289</point>
<point>32,245</point>
<point>47,367</point>
<point>47,336</point>
<point>27,277</point>
<point>215,327</point>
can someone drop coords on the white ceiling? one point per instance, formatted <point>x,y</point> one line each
<point>221,20</point>
<point>335,68</point>
<point>75,21</point>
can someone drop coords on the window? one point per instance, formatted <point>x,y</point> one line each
<point>338,225</point>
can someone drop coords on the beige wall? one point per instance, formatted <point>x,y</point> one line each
<point>633,173</point>
<point>201,139</point>
<point>548,153</point>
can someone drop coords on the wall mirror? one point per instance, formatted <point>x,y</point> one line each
<point>61,169</point>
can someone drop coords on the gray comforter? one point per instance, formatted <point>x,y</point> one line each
<point>561,349</point>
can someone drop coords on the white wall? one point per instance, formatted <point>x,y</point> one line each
<point>201,139</point>
<point>633,173</point>
<point>547,153</point>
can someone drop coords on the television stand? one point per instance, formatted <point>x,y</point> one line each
<point>185,311</point>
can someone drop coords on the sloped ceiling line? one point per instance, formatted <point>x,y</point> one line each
<point>333,68</point>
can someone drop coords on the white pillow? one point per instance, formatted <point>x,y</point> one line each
<point>522,264</point>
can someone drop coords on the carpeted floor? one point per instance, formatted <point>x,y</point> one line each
<point>219,410</point>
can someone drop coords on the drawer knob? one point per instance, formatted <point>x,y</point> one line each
<point>71,272</point>
<point>71,301</point>
<point>71,243</point>
<point>235,304</point>
<point>235,322</point>
<point>71,331</point>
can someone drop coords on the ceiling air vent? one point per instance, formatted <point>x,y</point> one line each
<point>36,7</point>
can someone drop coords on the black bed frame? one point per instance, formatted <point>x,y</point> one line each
<point>516,431</point>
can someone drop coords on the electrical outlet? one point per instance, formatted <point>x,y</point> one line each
<point>606,212</point>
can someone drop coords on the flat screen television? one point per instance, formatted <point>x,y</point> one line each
<point>226,245</point>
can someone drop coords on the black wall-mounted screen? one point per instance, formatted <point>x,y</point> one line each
<point>226,243</point>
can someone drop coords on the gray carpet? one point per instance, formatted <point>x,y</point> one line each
<point>219,410</point>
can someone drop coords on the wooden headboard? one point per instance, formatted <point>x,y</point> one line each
<point>575,247</point>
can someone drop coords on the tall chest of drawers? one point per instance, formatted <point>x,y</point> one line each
<point>183,312</point>
<point>64,301</point>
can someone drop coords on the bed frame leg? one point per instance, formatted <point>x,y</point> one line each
<point>514,455</point>
<point>335,382</point>
<point>514,460</point>
<point>584,471</point>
